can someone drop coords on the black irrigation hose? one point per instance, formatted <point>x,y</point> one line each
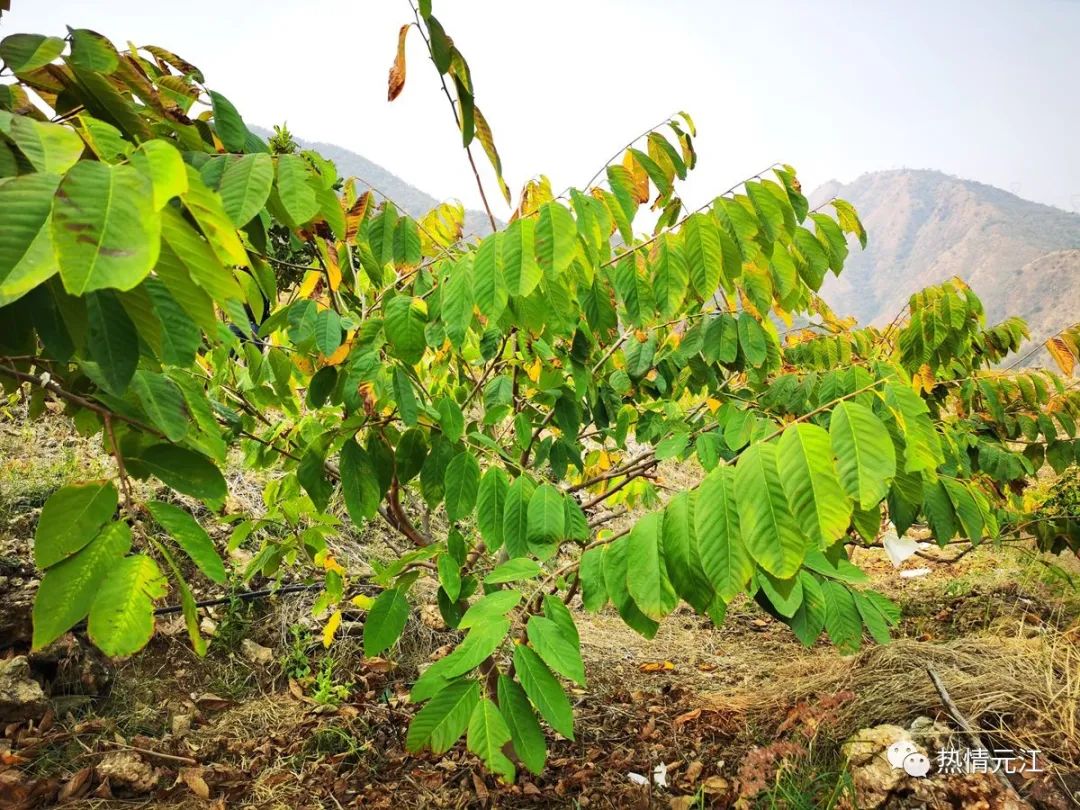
<point>245,596</point>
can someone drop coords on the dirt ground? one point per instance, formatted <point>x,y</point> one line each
<point>740,715</point>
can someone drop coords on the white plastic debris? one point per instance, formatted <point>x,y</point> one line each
<point>914,572</point>
<point>637,778</point>
<point>899,548</point>
<point>659,775</point>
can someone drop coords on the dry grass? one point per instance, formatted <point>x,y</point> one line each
<point>1025,691</point>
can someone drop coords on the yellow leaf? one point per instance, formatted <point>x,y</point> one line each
<point>1059,350</point>
<point>333,271</point>
<point>311,279</point>
<point>713,404</point>
<point>362,602</point>
<point>340,353</point>
<point>330,564</point>
<point>331,628</point>
<point>534,370</point>
<point>355,215</point>
<point>604,461</point>
<point>639,176</point>
<point>397,70</point>
<point>656,666</point>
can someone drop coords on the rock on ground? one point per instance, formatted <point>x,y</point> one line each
<point>881,786</point>
<point>21,697</point>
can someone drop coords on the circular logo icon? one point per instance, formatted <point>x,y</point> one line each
<point>916,764</point>
<point>900,750</point>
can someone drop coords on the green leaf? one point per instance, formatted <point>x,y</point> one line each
<point>647,579</point>
<point>359,483</point>
<point>967,510</point>
<point>703,254</point>
<point>412,449</point>
<point>525,731</point>
<point>449,576</point>
<point>162,163</point>
<point>768,528</point>
<point>293,189</point>
<point>842,620</point>
<point>70,519</point>
<point>489,281</point>
<point>311,474</point>
<point>513,570</point>
<point>615,567</point>
<point>112,341</point>
<point>405,319</point>
<point>444,719</point>
<point>105,227</point>
<point>495,605</point>
<point>191,537</point>
<point>785,595</point>
<point>719,539</point>
<point>811,483</point>
<point>809,619</point>
<point>50,148</point>
<point>670,276</point>
<point>872,618</point>
<point>544,690</point>
<point>939,511</point>
<point>321,386</point>
<point>68,588</point>
<point>591,575</point>
<point>556,238</point>
<point>516,246</point>
<point>451,420</point>
<point>865,453</point>
<point>407,406</point>
<point>681,551</point>
<point>457,301</point>
<point>462,481</point>
<point>92,52</point>
<point>23,53</point>
<point>180,336</point>
<point>327,331</point>
<point>385,622</point>
<point>556,650</point>
<point>27,257</point>
<point>490,505</point>
<point>516,516</point>
<point>488,733</point>
<point>163,402</point>
<point>752,339</point>
<point>184,470</point>
<point>482,640</point>
<point>547,516</point>
<point>245,187</point>
<point>122,616</point>
<point>230,126</point>
<point>558,612</point>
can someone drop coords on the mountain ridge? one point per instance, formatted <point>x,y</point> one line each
<point>383,182</point>
<point>925,226</point>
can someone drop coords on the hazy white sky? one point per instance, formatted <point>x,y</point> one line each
<point>984,90</point>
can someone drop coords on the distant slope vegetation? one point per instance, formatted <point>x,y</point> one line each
<point>1021,257</point>
<point>385,183</point>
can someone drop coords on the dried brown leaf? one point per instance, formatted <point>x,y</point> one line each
<point>397,70</point>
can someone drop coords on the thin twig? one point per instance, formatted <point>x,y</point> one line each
<point>457,118</point>
<point>966,726</point>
